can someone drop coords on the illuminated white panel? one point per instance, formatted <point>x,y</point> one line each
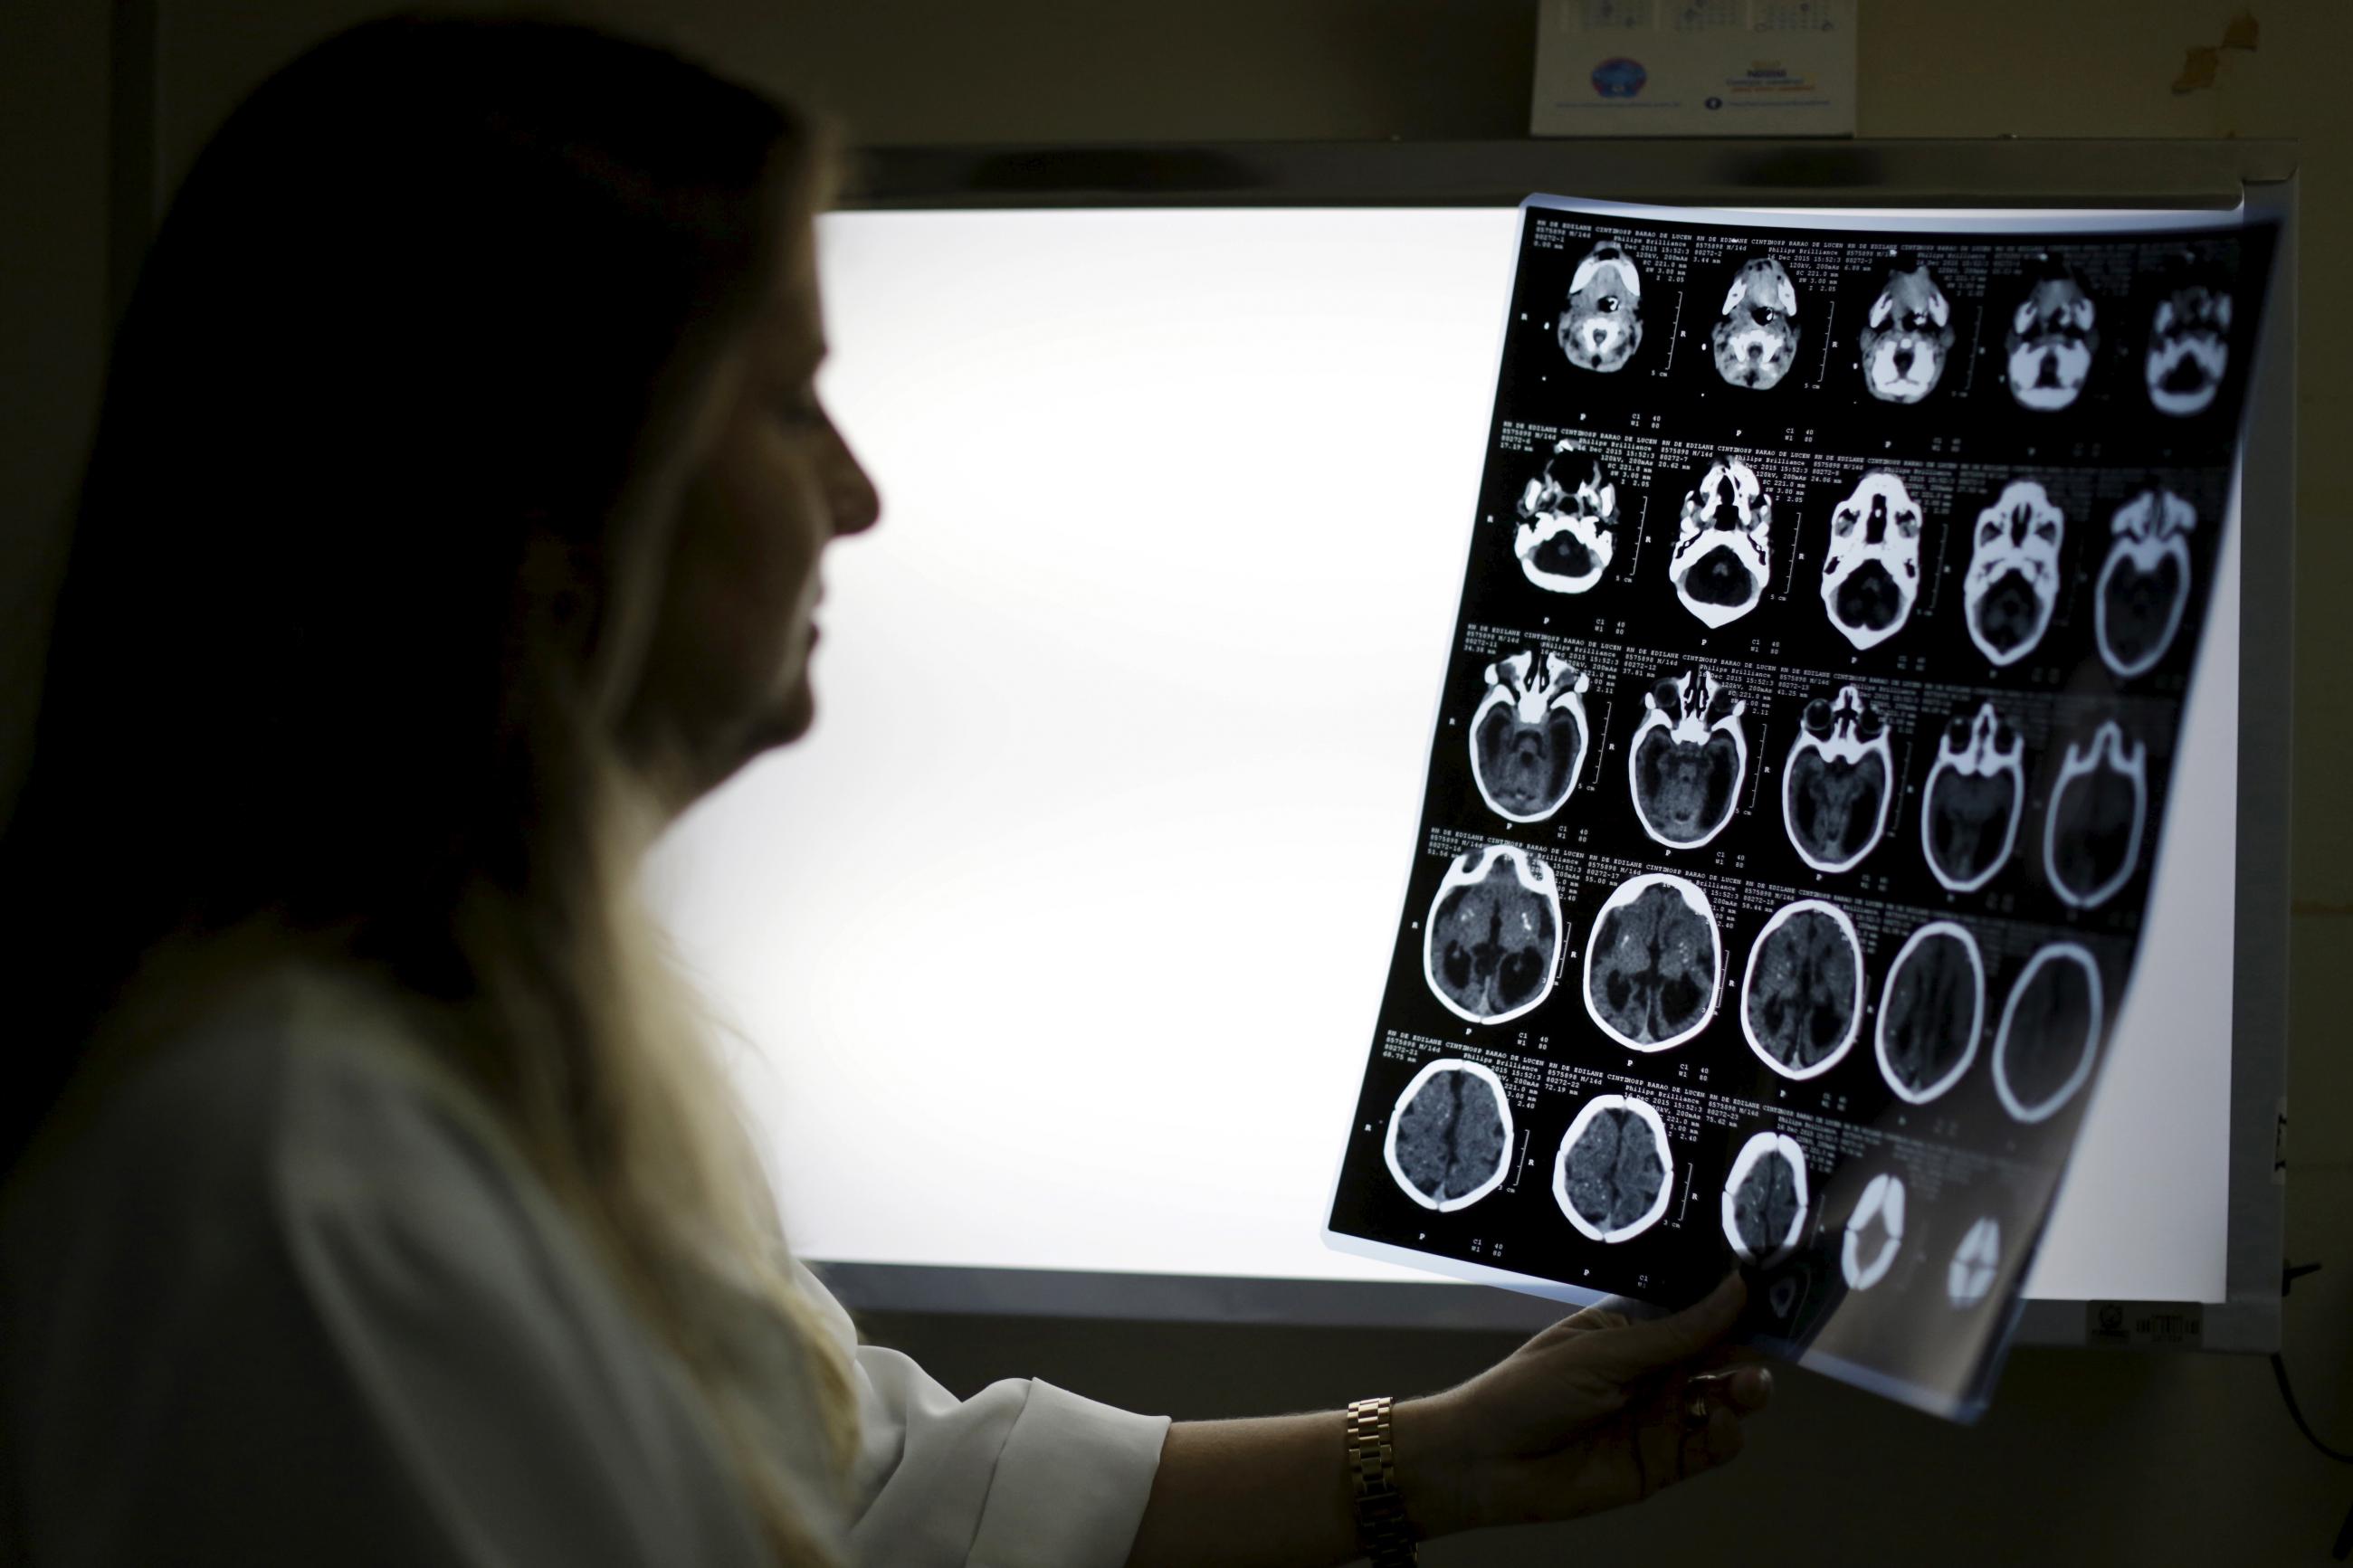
<point>1061,939</point>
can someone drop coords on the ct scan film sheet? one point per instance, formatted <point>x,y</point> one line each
<point>1833,596</point>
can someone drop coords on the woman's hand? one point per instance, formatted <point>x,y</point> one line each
<point>1594,1412</point>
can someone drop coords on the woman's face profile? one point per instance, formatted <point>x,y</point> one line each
<point>727,671</point>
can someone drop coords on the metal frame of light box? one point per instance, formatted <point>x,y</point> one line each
<point>2077,174</point>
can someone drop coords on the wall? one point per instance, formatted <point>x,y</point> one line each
<point>2086,1457</point>
<point>54,97</point>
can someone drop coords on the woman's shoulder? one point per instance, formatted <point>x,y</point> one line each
<point>293,1150</point>
<point>301,1087</point>
<point>287,1206</point>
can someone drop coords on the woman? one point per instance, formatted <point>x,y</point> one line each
<point>454,520</point>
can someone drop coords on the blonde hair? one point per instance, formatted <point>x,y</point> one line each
<point>636,1129</point>
<point>372,533</point>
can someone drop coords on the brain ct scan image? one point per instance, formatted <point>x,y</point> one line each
<point>1449,1137</point>
<point>2091,834</point>
<point>1801,996</point>
<point>2052,338</point>
<point>1931,1011</point>
<point>1975,796</point>
<point>1724,546</point>
<point>1765,1199</point>
<point>1528,735</point>
<point>2013,581</point>
<point>1493,935</point>
<point>1874,1231</point>
<point>1969,1276</point>
<point>1687,759</point>
<point>1836,783</point>
<point>1602,326</point>
<point>2189,341</point>
<point>2050,1034</point>
<point>1824,701</point>
<point>1654,963</point>
<point>1614,1174</point>
<point>2145,583</point>
<point>1872,575</point>
<point>1756,338</point>
<point>1907,335</point>
<point>1568,522</point>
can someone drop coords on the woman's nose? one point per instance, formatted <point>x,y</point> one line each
<point>856,505</point>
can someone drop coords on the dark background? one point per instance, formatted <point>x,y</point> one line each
<point>2104,1456</point>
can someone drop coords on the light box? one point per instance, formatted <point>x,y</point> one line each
<point>1055,947</point>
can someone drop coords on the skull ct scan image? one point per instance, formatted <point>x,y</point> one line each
<point>1493,935</point>
<point>2053,337</point>
<point>1567,532</point>
<point>1528,735</point>
<point>1975,794</point>
<point>1765,1199</point>
<point>1449,1135</point>
<point>2092,830</point>
<point>1872,575</point>
<point>2143,584</point>
<point>1802,995</point>
<point>1754,339</point>
<point>1907,335</point>
<point>2189,340</point>
<point>1654,962</point>
<point>1602,324</point>
<point>1613,1175</point>
<point>1689,756</point>
<point>1874,1231</point>
<point>2048,1035</point>
<point>1838,782</point>
<point>2014,580</point>
<point>1931,1011</point>
<point>1723,549</point>
<point>1870,555</point>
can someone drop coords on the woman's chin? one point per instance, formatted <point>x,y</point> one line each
<point>786,720</point>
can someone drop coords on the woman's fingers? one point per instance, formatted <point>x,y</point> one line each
<point>1724,1436</point>
<point>1626,1353</point>
<point>1745,1389</point>
<point>1585,1322</point>
<point>1596,1413</point>
<point>1692,1426</point>
<point>1708,1411</point>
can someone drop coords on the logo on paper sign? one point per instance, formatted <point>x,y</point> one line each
<point>1619,78</point>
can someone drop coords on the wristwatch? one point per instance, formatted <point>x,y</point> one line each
<point>1381,1529</point>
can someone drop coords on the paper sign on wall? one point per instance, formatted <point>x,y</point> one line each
<point>1694,67</point>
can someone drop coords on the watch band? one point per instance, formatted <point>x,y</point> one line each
<point>1381,1529</point>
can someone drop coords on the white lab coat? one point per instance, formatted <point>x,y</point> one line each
<point>288,1295</point>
